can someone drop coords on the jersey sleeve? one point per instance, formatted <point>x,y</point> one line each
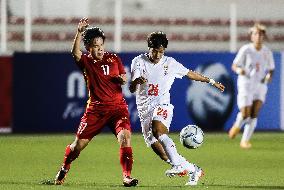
<point>82,61</point>
<point>271,63</point>
<point>240,57</point>
<point>135,69</point>
<point>179,69</point>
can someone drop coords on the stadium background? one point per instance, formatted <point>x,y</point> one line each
<point>42,90</point>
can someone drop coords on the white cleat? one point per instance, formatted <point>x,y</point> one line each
<point>245,145</point>
<point>176,170</point>
<point>194,176</point>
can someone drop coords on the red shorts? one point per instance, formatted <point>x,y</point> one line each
<point>94,121</point>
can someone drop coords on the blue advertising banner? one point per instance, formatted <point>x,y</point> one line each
<point>49,93</point>
<point>281,69</point>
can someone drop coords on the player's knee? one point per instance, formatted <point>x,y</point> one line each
<point>158,129</point>
<point>124,137</point>
<point>79,144</point>
<point>156,133</point>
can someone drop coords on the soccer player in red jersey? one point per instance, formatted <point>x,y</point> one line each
<point>104,75</point>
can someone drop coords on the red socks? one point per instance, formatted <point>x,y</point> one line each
<point>69,157</point>
<point>126,160</point>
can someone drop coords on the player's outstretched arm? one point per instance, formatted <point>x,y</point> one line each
<point>76,51</point>
<point>193,75</point>
<point>133,84</point>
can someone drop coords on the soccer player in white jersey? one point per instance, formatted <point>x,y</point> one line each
<point>254,65</point>
<point>152,75</point>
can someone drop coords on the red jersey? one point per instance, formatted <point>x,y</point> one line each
<point>100,76</point>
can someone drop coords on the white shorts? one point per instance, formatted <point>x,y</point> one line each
<point>249,92</point>
<point>162,113</point>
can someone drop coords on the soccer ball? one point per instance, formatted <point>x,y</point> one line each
<point>191,136</point>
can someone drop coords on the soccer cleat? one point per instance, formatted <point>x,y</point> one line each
<point>177,170</point>
<point>129,181</point>
<point>245,145</point>
<point>233,132</point>
<point>60,177</point>
<point>195,176</point>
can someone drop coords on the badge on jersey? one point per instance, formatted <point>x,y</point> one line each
<point>110,60</point>
<point>166,69</point>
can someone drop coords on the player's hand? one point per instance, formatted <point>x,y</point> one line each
<point>83,24</point>
<point>240,71</point>
<point>121,78</point>
<point>267,79</point>
<point>219,86</point>
<point>133,84</point>
<point>140,80</point>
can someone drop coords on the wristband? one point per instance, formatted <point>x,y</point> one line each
<point>211,81</point>
<point>239,70</point>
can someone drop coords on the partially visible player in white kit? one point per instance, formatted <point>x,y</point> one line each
<point>254,65</point>
<point>152,75</point>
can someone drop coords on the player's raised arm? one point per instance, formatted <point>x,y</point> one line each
<point>193,75</point>
<point>76,50</point>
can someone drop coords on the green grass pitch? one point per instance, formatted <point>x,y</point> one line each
<point>26,160</point>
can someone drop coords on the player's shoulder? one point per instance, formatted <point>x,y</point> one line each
<point>246,47</point>
<point>110,55</point>
<point>86,57</point>
<point>140,57</point>
<point>169,59</point>
<point>266,49</point>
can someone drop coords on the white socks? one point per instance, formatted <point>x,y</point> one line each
<point>185,164</point>
<point>240,121</point>
<point>249,129</point>
<point>170,149</point>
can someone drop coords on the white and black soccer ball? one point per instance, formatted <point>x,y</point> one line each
<point>191,136</point>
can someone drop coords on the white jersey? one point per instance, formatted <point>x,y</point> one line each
<point>255,63</point>
<point>160,77</point>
